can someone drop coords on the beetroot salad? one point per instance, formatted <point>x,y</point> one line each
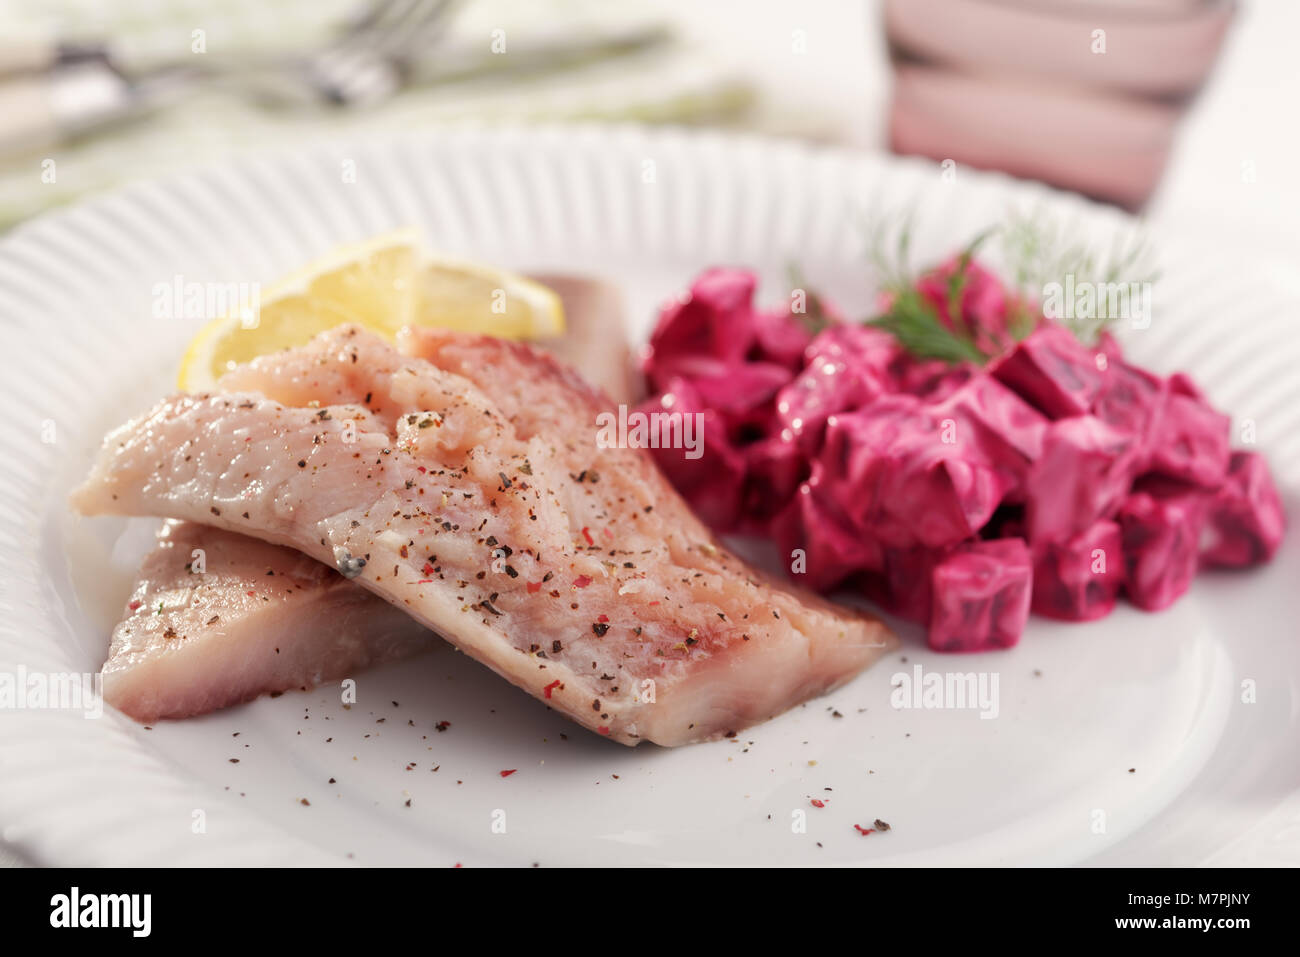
<point>961,460</point>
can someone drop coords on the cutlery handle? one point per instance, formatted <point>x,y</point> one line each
<point>26,55</point>
<point>39,111</point>
<point>27,117</point>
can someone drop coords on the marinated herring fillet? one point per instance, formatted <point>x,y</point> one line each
<point>468,491</point>
<point>272,601</point>
<point>255,618</point>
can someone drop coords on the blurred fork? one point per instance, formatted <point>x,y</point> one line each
<point>366,64</point>
<point>373,59</point>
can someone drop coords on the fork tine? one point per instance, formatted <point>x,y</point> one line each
<point>358,49</point>
<point>392,28</point>
<point>404,23</point>
<point>397,16</point>
<point>366,18</point>
<point>434,23</point>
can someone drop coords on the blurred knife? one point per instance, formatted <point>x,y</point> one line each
<point>34,54</point>
<point>38,111</point>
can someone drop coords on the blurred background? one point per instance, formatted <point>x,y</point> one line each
<point>1181,109</point>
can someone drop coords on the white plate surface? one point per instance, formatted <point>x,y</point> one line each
<point>1215,777</point>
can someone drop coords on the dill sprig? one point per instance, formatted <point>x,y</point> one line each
<point>815,317</point>
<point>1038,252</point>
<point>910,317</point>
<point>911,320</point>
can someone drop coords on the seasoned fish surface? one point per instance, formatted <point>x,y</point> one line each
<point>352,625</point>
<point>218,618</point>
<point>462,482</point>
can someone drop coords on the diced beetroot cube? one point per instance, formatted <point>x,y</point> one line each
<point>862,347</point>
<point>712,482</point>
<point>1181,384</point>
<point>742,394</point>
<point>716,321</point>
<point>852,471</point>
<point>845,367</point>
<point>907,478</point>
<point>1080,579</point>
<point>1006,429</point>
<point>774,468</point>
<point>904,582</point>
<point>1051,370</point>
<point>981,594</point>
<point>832,552</point>
<point>1246,520</point>
<point>780,337</point>
<point>1190,442</point>
<point>931,379</point>
<point>1086,469</point>
<point>824,387</point>
<point>943,498</point>
<point>1161,538</point>
<point>1132,400</point>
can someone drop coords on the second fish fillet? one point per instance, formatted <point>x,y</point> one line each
<point>218,618</point>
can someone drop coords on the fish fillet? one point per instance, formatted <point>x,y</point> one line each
<point>595,341</point>
<point>218,618</point>
<point>148,674</point>
<point>463,483</point>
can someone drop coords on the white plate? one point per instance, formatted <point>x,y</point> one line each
<point>1215,778</point>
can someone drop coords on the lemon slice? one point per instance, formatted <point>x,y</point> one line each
<point>371,283</point>
<point>474,298</point>
<point>382,284</point>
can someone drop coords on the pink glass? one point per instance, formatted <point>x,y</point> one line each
<point>1083,94</point>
